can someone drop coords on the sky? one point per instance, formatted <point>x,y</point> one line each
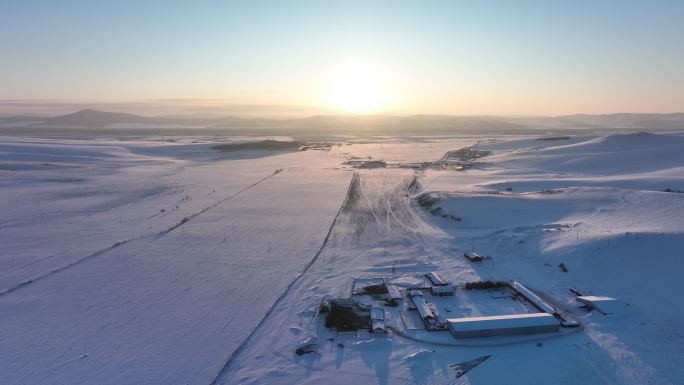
<point>521,57</point>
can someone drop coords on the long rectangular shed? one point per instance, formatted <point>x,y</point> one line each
<point>474,327</point>
<point>377,313</point>
<point>423,308</point>
<point>533,298</point>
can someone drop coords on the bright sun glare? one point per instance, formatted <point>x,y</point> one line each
<point>357,87</point>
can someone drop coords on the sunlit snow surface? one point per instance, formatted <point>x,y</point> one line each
<point>136,261</point>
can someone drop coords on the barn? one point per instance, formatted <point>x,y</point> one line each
<point>532,298</point>
<point>423,308</point>
<point>441,285</point>
<point>474,327</point>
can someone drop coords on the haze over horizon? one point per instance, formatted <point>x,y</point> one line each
<point>300,58</point>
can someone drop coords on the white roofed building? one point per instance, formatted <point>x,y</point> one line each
<point>474,327</point>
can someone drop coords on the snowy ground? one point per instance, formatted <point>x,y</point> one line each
<point>129,261</point>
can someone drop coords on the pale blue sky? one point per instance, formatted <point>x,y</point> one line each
<point>460,57</point>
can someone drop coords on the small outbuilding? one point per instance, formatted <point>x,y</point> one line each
<point>437,279</point>
<point>441,291</point>
<point>473,256</point>
<point>393,292</point>
<point>378,327</point>
<point>474,327</point>
<point>378,320</point>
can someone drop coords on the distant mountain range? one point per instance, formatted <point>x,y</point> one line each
<point>673,121</point>
<point>95,120</point>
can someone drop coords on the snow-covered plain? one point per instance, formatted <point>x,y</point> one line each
<point>140,262</point>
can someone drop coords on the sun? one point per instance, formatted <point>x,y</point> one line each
<point>357,87</point>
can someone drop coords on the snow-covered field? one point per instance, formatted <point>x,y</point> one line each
<point>140,262</point>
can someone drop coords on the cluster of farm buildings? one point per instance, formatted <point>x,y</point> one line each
<point>381,304</point>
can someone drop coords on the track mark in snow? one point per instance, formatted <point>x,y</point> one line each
<point>49,273</point>
<point>159,234</point>
<point>224,370</point>
<point>204,210</point>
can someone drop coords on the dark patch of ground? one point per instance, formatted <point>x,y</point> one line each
<point>485,285</point>
<point>427,200</point>
<point>554,138</point>
<point>465,154</point>
<point>342,318</point>
<point>264,145</point>
<point>375,289</point>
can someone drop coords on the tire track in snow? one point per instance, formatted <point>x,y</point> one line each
<point>204,210</point>
<point>157,235</point>
<point>385,213</point>
<point>219,379</point>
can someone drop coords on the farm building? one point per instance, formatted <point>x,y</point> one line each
<point>441,285</point>
<point>473,327</point>
<point>533,298</point>
<point>423,308</point>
